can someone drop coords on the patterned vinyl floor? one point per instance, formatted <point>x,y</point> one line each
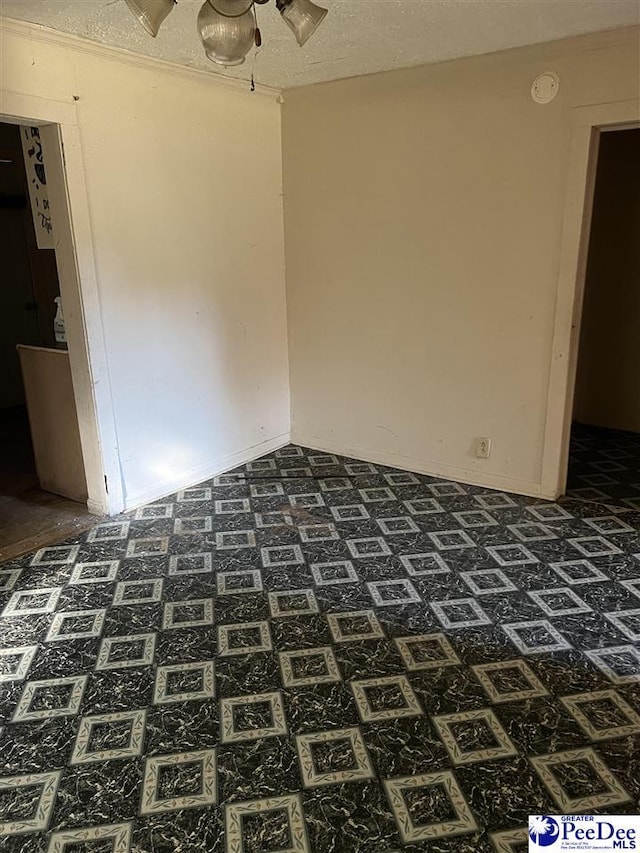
<point>318,654</point>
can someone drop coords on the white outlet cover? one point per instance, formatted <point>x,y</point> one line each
<point>545,87</point>
<point>483,448</point>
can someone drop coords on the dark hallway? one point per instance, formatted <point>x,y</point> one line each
<point>605,448</point>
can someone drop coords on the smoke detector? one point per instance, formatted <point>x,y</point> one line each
<point>545,87</point>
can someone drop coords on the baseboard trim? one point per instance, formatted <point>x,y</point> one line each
<point>219,465</point>
<point>422,466</point>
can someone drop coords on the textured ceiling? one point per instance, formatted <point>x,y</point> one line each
<point>356,37</point>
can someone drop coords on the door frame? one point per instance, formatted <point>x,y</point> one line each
<point>588,122</point>
<point>75,260</point>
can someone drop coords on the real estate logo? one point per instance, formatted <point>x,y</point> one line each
<point>543,831</point>
<point>584,833</point>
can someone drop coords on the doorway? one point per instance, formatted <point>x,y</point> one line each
<point>604,457</point>
<point>34,510</point>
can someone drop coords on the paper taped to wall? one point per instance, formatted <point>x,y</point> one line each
<point>37,181</point>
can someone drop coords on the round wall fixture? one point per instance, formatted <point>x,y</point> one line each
<point>545,87</point>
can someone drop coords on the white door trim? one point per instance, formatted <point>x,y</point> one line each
<point>79,289</point>
<point>587,123</point>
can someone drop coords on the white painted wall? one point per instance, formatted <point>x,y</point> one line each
<point>184,188</point>
<point>423,213</point>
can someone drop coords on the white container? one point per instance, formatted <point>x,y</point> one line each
<point>58,323</point>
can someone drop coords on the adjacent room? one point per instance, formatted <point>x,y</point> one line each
<point>42,485</point>
<point>605,461</point>
<point>319,425</point>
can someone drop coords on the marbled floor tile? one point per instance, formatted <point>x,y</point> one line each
<point>231,609</point>
<point>36,747</point>
<point>324,655</point>
<point>182,727</point>
<point>404,747</point>
<point>294,632</point>
<point>258,769</point>
<point>353,816</point>
<point>98,794</point>
<point>320,707</point>
<point>197,830</point>
<point>376,658</point>
<point>187,644</point>
<point>247,674</point>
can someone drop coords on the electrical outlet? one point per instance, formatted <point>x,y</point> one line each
<point>483,448</point>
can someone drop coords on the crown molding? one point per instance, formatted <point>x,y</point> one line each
<point>36,32</point>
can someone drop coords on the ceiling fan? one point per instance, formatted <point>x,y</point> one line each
<point>228,28</point>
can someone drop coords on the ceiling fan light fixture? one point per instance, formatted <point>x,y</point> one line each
<point>150,13</point>
<point>226,39</point>
<point>302,17</point>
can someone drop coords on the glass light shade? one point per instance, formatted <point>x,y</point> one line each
<point>303,18</point>
<point>226,40</point>
<point>231,8</point>
<point>150,13</point>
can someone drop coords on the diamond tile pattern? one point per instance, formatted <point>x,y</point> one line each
<point>312,654</point>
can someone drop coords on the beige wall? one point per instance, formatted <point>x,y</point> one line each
<point>608,381</point>
<point>423,213</point>
<point>184,188</point>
